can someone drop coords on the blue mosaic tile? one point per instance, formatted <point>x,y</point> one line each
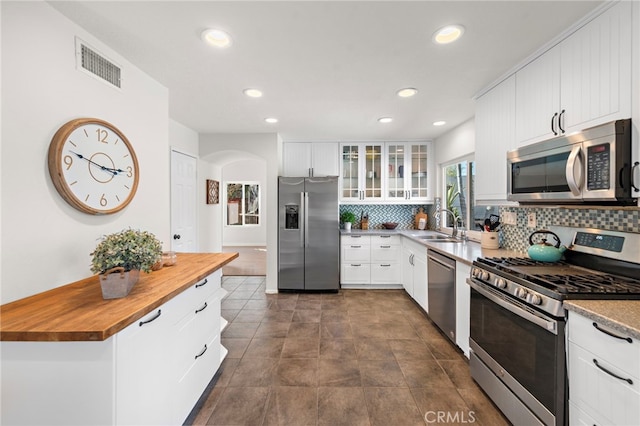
<point>516,237</point>
<point>403,214</point>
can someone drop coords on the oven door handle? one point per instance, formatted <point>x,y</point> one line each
<point>547,324</point>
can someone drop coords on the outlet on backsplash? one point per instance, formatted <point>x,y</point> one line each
<point>509,218</point>
<point>531,220</point>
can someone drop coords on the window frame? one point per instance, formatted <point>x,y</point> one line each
<point>472,234</point>
<point>244,184</point>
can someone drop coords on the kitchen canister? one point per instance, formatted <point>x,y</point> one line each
<point>489,240</point>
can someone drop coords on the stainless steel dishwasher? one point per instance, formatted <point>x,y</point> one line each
<point>442,292</point>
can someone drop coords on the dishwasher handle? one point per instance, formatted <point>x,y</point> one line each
<point>441,263</point>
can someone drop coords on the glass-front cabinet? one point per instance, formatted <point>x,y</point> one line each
<point>407,171</point>
<point>361,172</point>
<point>390,171</point>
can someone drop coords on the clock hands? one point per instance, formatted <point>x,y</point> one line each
<point>105,168</point>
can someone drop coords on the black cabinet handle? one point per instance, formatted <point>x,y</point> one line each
<point>628,339</point>
<point>176,236</point>
<point>155,317</point>
<point>385,265</point>
<point>202,283</point>
<point>610,373</point>
<point>356,246</point>
<point>385,246</point>
<point>633,169</point>
<point>203,308</point>
<point>560,122</point>
<point>553,119</point>
<point>201,353</point>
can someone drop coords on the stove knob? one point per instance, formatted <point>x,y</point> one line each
<point>521,293</point>
<point>485,276</point>
<point>501,283</point>
<point>534,299</point>
<point>475,272</point>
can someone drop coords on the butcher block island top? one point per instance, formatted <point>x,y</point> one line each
<point>77,311</point>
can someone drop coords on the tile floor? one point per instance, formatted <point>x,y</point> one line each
<point>358,357</point>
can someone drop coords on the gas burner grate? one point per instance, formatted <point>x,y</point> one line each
<point>506,262</point>
<point>589,283</point>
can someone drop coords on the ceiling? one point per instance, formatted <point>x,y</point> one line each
<point>328,69</point>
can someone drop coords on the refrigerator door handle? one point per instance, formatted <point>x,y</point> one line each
<point>303,215</point>
<point>306,219</point>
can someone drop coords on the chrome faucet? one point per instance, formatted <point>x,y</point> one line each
<point>454,233</point>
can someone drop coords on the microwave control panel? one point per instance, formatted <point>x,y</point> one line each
<point>598,167</point>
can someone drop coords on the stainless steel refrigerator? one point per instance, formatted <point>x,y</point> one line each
<point>308,233</point>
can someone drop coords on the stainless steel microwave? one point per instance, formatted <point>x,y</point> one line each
<point>592,166</point>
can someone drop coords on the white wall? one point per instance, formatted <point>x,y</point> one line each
<point>227,148</point>
<point>456,143</point>
<point>46,242</point>
<point>250,170</point>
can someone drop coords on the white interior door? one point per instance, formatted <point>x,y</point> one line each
<point>183,202</point>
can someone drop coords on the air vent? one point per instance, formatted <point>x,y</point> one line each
<point>95,64</point>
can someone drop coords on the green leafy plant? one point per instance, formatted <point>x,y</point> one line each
<point>348,217</point>
<point>131,249</point>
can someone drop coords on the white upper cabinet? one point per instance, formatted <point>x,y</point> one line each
<point>583,81</point>
<point>361,172</point>
<point>392,172</point>
<point>495,128</point>
<point>407,171</point>
<point>311,159</point>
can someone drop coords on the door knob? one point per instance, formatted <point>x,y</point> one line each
<point>176,236</point>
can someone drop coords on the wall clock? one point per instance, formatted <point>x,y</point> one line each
<point>93,166</point>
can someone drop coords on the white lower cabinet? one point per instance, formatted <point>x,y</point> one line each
<point>370,261</point>
<point>463,306</point>
<point>604,374</point>
<point>150,373</point>
<point>414,271</point>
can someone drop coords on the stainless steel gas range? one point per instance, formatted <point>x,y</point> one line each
<point>517,336</point>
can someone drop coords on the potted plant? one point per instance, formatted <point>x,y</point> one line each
<point>119,258</point>
<point>348,218</point>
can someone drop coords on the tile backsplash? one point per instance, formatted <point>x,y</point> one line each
<point>403,214</point>
<point>516,237</point>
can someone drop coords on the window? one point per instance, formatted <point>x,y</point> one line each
<point>243,203</point>
<point>459,197</point>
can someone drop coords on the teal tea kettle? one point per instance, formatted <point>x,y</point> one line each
<point>544,251</point>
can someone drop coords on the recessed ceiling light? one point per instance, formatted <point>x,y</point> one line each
<point>252,93</point>
<point>448,34</point>
<point>439,123</point>
<point>407,92</point>
<point>385,120</point>
<point>271,120</point>
<point>216,38</point>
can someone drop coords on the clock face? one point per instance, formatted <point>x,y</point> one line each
<point>93,166</point>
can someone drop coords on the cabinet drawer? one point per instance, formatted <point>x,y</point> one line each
<point>385,239</point>
<point>198,327</point>
<point>356,253</point>
<point>195,377</point>
<point>385,273</point>
<point>386,253</point>
<point>618,352</point>
<point>577,417</point>
<point>355,273</point>
<point>355,239</point>
<point>599,394</point>
<point>198,293</point>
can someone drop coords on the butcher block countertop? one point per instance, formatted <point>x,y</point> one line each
<point>77,311</point>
